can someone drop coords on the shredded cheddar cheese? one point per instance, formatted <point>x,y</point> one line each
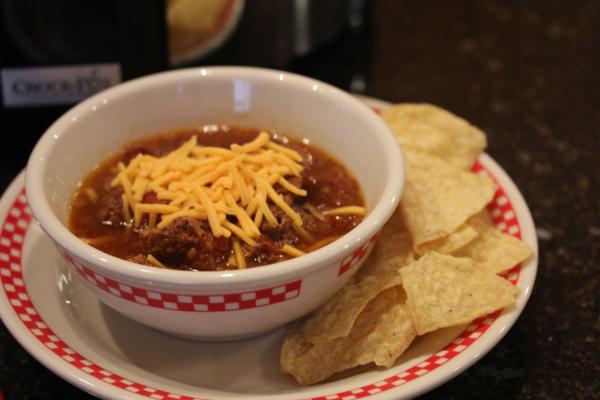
<point>238,254</point>
<point>210,183</point>
<point>349,210</point>
<point>152,260</point>
<point>292,251</point>
<point>214,183</point>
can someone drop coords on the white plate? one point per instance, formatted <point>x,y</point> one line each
<point>61,324</point>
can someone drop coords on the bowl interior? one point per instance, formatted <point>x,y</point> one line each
<point>98,127</point>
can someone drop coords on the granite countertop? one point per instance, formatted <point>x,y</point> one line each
<point>527,74</point>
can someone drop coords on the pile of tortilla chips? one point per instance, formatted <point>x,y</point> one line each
<point>435,266</point>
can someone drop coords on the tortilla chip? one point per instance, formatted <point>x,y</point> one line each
<point>494,250</point>
<point>395,245</point>
<point>457,240</point>
<point>444,291</point>
<point>336,317</point>
<point>382,332</point>
<point>438,198</point>
<point>433,130</point>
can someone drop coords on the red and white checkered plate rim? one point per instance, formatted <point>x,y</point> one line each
<point>12,235</point>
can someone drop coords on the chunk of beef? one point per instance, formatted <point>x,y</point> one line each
<point>186,242</point>
<point>265,252</point>
<point>283,231</point>
<point>174,240</point>
<point>111,207</point>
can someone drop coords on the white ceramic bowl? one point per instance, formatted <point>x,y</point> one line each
<point>215,305</point>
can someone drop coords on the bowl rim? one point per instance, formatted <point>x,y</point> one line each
<point>114,266</point>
